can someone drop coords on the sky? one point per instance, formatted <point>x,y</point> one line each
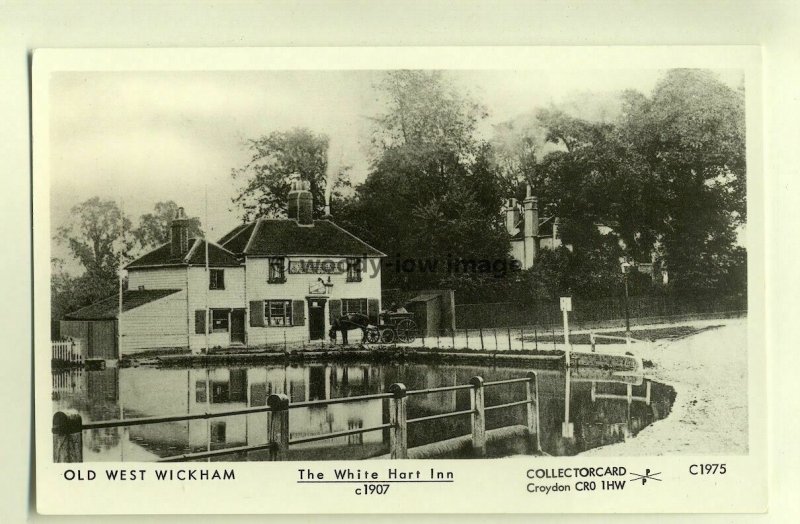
<point>144,137</point>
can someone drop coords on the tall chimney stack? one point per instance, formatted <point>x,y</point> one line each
<point>301,202</point>
<point>512,216</point>
<point>531,208</point>
<point>179,235</point>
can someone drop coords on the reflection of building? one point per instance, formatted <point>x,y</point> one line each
<point>225,389</point>
<point>270,281</point>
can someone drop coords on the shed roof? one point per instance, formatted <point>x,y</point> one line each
<point>108,308</point>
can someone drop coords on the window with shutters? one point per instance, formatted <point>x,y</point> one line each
<point>219,320</point>
<point>354,270</point>
<point>277,274</point>
<point>278,312</point>
<point>216,279</point>
<point>354,305</point>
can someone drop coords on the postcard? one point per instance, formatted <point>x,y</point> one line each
<point>399,280</point>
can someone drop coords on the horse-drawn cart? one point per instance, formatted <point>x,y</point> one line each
<point>393,327</point>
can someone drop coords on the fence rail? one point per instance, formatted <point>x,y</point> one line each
<point>67,350</point>
<point>588,313</point>
<point>68,427</point>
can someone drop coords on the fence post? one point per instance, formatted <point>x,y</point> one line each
<point>591,341</point>
<point>509,337</point>
<point>532,391</point>
<point>67,437</point>
<point>278,426</point>
<point>398,433</point>
<point>480,332</point>
<point>466,336</point>
<point>647,393</point>
<point>453,337</point>
<point>522,337</point>
<point>478,417</point>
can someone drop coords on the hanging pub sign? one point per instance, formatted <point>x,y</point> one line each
<point>317,267</point>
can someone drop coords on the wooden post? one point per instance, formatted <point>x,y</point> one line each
<point>478,417</point>
<point>567,345</point>
<point>592,341</point>
<point>532,391</point>
<point>278,426</point>
<point>67,437</point>
<point>480,332</point>
<point>522,337</point>
<point>509,337</point>
<point>398,433</point>
<point>466,336</point>
<point>629,393</point>
<point>647,393</point>
<point>535,339</point>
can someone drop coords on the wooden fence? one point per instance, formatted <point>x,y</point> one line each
<point>68,428</point>
<point>587,313</point>
<point>67,351</point>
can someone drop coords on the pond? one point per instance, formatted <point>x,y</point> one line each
<point>597,408</point>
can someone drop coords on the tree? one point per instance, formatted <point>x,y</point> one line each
<point>669,173</point>
<point>154,228</point>
<point>433,192</point>
<point>691,134</point>
<point>275,159</point>
<point>99,236</point>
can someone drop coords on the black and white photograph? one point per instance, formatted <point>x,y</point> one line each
<point>339,272</point>
<point>402,263</point>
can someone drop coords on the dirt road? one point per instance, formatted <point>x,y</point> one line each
<point>709,373</point>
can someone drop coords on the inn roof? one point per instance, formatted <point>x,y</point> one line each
<point>285,237</point>
<point>108,308</point>
<point>161,256</point>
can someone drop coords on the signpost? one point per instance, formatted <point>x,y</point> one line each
<point>566,307</point>
<point>567,427</point>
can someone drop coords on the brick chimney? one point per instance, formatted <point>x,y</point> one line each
<point>301,203</point>
<point>531,246</point>
<point>512,216</point>
<point>179,235</point>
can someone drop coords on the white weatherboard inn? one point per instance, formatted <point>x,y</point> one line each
<point>267,282</point>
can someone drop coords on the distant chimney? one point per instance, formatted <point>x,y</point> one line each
<point>179,235</point>
<point>555,229</point>
<point>531,244</point>
<point>327,205</point>
<point>512,216</point>
<point>301,203</point>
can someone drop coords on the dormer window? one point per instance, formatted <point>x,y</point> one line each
<point>277,274</point>
<point>216,279</point>
<point>354,270</point>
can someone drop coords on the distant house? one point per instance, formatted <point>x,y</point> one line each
<point>269,281</point>
<point>529,233</point>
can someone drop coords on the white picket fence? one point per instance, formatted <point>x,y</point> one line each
<point>68,350</point>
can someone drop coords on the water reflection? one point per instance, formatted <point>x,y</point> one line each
<point>579,409</point>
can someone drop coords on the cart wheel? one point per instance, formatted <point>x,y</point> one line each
<point>387,336</point>
<point>373,336</point>
<point>406,330</point>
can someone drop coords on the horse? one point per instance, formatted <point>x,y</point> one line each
<point>348,322</point>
